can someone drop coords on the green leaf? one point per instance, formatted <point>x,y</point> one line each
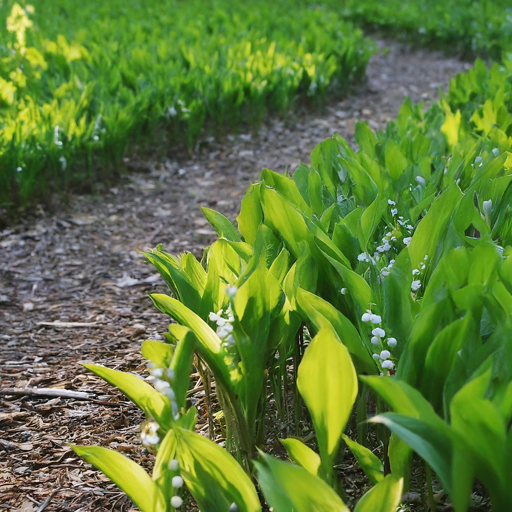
<point>357,288</point>
<point>139,392</point>
<point>208,343</point>
<point>157,352</point>
<point>433,226</point>
<point>369,462</point>
<point>221,224</point>
<point>323,315</point>
<point>291,488</point>
<point>284,218</point>
<point>181,364</point>
<point>251,214</point>
<point>396,162</point>
<point>435,446</point>
<point>213,476</point>
<point>302,454</point>
<point>326,376</point>
<point>369,221</point>
<point>384,497</point>
<point>162,475</point>
<point>127,475</point>
<point>178,281</point>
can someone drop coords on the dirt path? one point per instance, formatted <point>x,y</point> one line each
<point>83,265</point>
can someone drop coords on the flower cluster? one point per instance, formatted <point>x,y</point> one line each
<point>381,356</point>
<point>224,321</point>
<point>162,379</point>
<point>177,482</point>
<point>387,270</point>
<point>149,434</point>
<point>416,284</point>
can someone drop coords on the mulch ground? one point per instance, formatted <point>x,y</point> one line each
<point>83,264</point>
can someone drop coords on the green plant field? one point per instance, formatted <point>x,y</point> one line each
<point>384,272</point>
<point>470,26</point>
<point>79,82</point>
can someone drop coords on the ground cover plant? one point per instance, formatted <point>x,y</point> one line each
<point>78,85</point>
<point>470,26</point>
<point>391,265</point>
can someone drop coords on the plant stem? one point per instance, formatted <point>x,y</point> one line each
<point>296,362</point>
<point>428,474</point>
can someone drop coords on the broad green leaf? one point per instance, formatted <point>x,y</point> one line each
<point>162,475</point>
<point>369,221</point>
<point>139,392</point>
<point>208,343</point>
<point>181,365</point>
<point>435,446</point>
<point>157,352</point>
<point>127,475</point>
<point>403,398</point>
<point>302,455</point>
<point>441,358</point>
<point>384,497</point>
<point>400,457</point>
<point>397,301</point>
<point>327,382</point>
<point>213,476</point>
<point>324,315</point>
<point>182,287</point>
<point>291,488</point>
<point>221,224</point>
<point>286,188</point>
<point>433,226</point>
<point>357,288</point>
<point>284,218</point>
<point>251,214</point>
<point>369,462</point>
<point>396,162</point>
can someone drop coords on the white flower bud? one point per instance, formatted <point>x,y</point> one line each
<point>343,291</point>
<point>366,317</point>
<point>387,364</point>
<point>177,482</point>
<point>385,354</point>
<point>375,340</point>
<point>416,285</point>
<point>391,342</point>
<point>407,240</point>
<point>231,291</point>
<point>394,211</point>
<point>420,180</point>
<point>379,332</point>
<point>157,372</point>
<point>376,356</point>
<point>176,501</point>
<point>213,317</point>
<point>170,373</point>
<point>173,465</point>
<point>487,207</point>
<point>375,319</point>
<point>391,202</point>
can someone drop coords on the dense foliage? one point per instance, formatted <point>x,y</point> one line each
<point>78,84</point>
<point>470,26</point>
<point>392,264</point>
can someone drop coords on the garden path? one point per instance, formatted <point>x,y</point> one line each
<point>82,265</point>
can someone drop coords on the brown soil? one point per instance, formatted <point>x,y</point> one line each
<point>83,264</point>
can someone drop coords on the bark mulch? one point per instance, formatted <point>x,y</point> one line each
<point>82,267</point>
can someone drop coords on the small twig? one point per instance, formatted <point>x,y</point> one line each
<point>46,502</point>
<point>60,393</point>
<point>68,324</point>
